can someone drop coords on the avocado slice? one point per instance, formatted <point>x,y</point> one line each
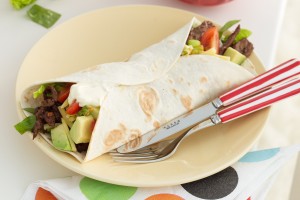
<point>65,116</point>
<point>81,130</point>
<point>60,139</point>
<point>235,56</point>
<point>73,146</point>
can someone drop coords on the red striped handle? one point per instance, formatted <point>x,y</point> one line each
<point>261,100</point>
<point>282,72</point>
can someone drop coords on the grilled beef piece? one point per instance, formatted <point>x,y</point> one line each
<point>50,93</point>
<point>197,32</point>
<point>244,47</point>
<point>230,40</point>
<point>56,112</point>
<point>81,147</point>
<point>39,112</point>
<point>48,112</point>
<point>49,118</point>
<point>38,128</point>
<point>48,102</point>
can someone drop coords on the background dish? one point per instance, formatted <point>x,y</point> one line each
<point>113,34</point>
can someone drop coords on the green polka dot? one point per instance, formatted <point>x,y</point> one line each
<point>97,190</point>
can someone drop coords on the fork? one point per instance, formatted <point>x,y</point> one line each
<point>165,149</point>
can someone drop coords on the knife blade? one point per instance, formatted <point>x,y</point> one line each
<point>174,126</point>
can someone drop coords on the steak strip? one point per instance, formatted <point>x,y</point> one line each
<point>197,32</point>
<point>230,40</point>
<point>244,47</point>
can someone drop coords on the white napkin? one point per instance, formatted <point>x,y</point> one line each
<point>248,179</point>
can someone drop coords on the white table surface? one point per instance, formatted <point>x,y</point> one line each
<point>21,161</point>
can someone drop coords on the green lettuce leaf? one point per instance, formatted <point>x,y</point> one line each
<point>19,4</point>
<point>26,125</point>
<point>40,91</point>
<point>227,26</point>
<point>43,16</point>
<point>244,33</point>
<point>30,110</point>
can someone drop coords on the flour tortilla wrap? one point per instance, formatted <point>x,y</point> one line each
<point>142,67</point>
<point>151,88</point>
<point>131,111</point>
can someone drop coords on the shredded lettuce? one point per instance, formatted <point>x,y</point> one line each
<point>89,110</point>
<point>40,91</point>
<point>26,125</point>
<point>43,16</point>
<point>84,111</point>
<point>194,43</point>
<point>187,50</point>
<point>197,47</point>
<point>19,4</point>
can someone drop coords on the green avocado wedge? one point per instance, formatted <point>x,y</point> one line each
<point>73,146</point>
<point>81,130</point>
<point>235,56</point>
<point>61,138</point>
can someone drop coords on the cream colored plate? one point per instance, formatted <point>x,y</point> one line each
<point>113,34</point>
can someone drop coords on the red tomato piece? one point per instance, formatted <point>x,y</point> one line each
<point>63,94</point>
<point>73,108</point>
<point>210,39</point>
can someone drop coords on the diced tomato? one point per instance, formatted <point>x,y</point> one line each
<point>93,125</point>
<point>210,39</point>
<point>73,108</point>
<point>63,94</point>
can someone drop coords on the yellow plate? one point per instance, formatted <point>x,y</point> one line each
<point>113,34</point>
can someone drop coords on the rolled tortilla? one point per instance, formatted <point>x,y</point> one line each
<point>130,111</point>
<point>142,67</point>
<point>151,88</point>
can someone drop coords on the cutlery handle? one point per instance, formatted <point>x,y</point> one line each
<point>264,81</point>
<point>261,100</point>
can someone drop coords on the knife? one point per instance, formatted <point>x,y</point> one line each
<point>264,81</point>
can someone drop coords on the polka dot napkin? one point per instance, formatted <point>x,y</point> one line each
<point>248,179</point>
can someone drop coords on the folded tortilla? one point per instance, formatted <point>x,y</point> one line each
<point>151,88</point>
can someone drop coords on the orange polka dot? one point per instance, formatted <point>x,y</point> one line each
<point>164,197</point>
<point>43,194</point>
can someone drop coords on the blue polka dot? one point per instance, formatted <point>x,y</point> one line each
<point>261,155</point>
